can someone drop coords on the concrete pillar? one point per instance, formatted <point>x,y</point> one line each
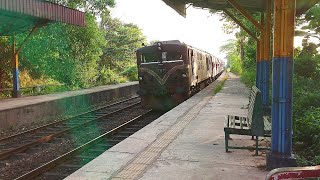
<point>265,59</point>
<point>15,70</point>
<point>284,25</point>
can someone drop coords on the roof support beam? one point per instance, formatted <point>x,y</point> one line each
<point>241,25</point>
<point>246,14</point>
<point>34,30</point>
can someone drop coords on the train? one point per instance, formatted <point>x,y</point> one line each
<point>169,72</point>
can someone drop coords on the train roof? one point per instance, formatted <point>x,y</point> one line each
<point>178,42</point>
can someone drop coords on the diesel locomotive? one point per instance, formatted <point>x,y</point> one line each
<point>170,72</point>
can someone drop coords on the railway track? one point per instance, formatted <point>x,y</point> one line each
<point>25,152</point>
<point>64,165</point>
<point>12,144</point>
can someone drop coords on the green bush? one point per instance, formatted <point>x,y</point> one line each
<point>131,73</point>
<point>108,76</point>
<point>236,65</point>
<point>249,77</point>
<point>306,135</point>
<point>306,94</point>
<point>306,120</point>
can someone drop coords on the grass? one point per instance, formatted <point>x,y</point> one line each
<point>219,87</point>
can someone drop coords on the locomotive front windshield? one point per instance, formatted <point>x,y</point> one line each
<point>150,57</point>
<point>158,56</point>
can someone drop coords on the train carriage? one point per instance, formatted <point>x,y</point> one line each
<point>170,72</point>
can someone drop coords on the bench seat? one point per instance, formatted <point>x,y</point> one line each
<point>255,124</point>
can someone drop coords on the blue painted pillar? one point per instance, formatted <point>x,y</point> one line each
<point>15,71</point>
<point>258,66</point>
<point>265,57</point>
<point>265,71</point>
<point>282,88</point>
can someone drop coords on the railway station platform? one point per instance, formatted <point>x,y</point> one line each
<point>185,143</point>
<point>26,111</point>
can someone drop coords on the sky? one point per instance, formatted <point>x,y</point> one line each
<point>159,22</point>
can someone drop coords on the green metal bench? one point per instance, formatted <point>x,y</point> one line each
<point>255,124</point>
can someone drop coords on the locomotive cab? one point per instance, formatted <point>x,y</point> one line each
<point>163,74</point>
<point>170,72</point>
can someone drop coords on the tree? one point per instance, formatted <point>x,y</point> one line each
<point>122,41</point>
<point>241,53</point>
<point>5,62</point>
<point>68,54</point>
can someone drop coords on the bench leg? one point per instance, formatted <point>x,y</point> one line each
<point>226,139</point>
<point>257,145</point>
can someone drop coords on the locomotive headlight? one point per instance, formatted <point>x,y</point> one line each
<point>140,78</point>
<point>184,75</point>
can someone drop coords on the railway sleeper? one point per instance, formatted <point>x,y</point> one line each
<point>73,124</point>
<point>101,113</point>
<point>45,133</point>
<point>128,133</point>
<point>103,146</point>
<point>136,126</point>
<point>86,117</point>
<point>131,129</point>
<point>74,166</point>
<point>61,126</point>
<point>98,150</point>
<point>120,137</point>
<point>112,142</point>
<point>20,155</point>
<point>56,175</point>
<point>53,129</point>
<point>87,156</point>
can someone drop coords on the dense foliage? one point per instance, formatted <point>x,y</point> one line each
<point>101,53</point>
<point>306,105</point>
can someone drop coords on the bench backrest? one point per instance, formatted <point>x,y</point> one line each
<point>255,114</point>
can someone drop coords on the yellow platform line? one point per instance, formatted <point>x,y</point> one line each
<point>138,165</point>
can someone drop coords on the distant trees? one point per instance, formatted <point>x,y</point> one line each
<point>241,52</point>
<point>100,53</point>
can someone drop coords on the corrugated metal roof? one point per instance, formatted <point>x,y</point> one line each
<point>20,15</point>
<point>253,5</point>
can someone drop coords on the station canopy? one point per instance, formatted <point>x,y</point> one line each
<point>18,16</point>
<point>251,5</point>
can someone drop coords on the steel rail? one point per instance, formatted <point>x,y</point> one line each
<point>60,133</point>
<point>55,162</point>
<point>65,119</point>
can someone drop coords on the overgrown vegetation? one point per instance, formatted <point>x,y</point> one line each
<point>101,53</point>
<point>219,87</point>
<point>306,105</point>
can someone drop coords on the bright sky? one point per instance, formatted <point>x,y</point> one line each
<point>159,22</point>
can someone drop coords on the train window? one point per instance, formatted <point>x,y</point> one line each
<point>164,56</point>
<point>150,57</point>
<point>174,56</point>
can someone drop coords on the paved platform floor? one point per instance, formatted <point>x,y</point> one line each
<point>185,143</point>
